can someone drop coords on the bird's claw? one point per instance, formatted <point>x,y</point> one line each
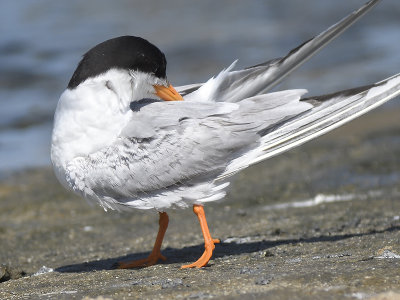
<point>205,258</point>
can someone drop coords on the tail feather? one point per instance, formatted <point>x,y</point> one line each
<point>328,113</point>
<point>232,86</point>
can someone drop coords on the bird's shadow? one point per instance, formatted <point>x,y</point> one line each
<point>188,254</point>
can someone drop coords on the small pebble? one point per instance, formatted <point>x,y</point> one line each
<point>263,281</point>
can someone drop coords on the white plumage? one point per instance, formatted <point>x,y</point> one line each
<point>124,138</point>
<point>161,154</point>
<point>115,142</point>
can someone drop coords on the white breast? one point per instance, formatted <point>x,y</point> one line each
<point>87,119</point>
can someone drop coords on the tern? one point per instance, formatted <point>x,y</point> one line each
<point>125,138</point>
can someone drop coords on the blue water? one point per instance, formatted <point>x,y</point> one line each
<point>42,41</point>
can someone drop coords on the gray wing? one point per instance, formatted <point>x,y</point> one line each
<point>328,113</point>
<point>237,85</point>
<point>172,145</point>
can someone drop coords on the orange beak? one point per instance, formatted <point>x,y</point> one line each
<point>167,93</point>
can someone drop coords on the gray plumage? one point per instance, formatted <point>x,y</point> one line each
<point>126,148</point>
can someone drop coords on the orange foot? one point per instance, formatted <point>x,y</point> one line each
<point>203,260</point>
<point>145,262</point>
<point>209,243</point>
<point>155,255</point>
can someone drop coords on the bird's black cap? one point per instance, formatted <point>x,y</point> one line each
<point>124,52</point>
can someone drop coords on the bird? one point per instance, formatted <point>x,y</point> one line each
<point>124,137</point>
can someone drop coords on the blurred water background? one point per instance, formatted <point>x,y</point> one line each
<point>42,41</point>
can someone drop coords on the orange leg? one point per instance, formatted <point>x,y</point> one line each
<point>155,255</point>
<point>208,241</point>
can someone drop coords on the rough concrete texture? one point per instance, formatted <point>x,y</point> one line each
<point>277,241</point>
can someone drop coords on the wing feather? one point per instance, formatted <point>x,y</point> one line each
<point>330,112</point>
<point>232,86</point>
<point>179,146</point>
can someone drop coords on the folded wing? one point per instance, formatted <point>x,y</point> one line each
<point>175,147</point>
